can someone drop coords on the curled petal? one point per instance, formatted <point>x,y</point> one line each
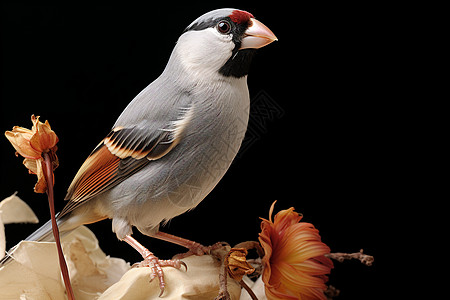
<point>35,166</point>
<point>44,138</point>
<point>25,131</point>
<point>286,218</point>
<point>237,264</point>
<point>31,165</point>
<point>19,138</point>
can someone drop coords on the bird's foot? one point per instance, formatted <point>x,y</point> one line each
<point>156,265</point>
<point>199,250</point>
<point>194,247</point>
<point>152,262</point>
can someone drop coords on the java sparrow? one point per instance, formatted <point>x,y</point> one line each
<point>174,141</point>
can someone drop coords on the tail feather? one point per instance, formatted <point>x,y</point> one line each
<point>43,233</point>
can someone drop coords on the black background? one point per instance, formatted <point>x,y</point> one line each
<point>324,152</point>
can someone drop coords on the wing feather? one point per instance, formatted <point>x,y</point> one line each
<point>122,153</point>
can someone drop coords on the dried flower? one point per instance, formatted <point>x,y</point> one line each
<point>294,263</point>
<point>31,144</point>
<point>237,265</point>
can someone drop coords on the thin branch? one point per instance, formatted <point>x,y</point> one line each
<point>223,289</point>
<point>331,292</point>
<point>51,203</point>
<point>363,258</point>
<point>251,245</point>
<point>248,289</point>
<point>223,275</point>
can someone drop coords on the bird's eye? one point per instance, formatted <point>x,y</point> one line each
<point>224,27</point>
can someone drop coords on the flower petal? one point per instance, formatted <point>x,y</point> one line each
<point>313,267</point>
<point>296,280</point>
<point>25,131</point>
<point>274,294</point>
<point>294,263</point>
<point>301,241</point>
<point>44,137</point>
<point>31,165</point>
<point>286,218</point>
<point>41,184</point>
<point>19,138</point>
<point>237,264</point>
<point>303,285</point>
<point>35,166</point>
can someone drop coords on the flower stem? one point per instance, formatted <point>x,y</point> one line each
<point>248,289</point>
<point>51,203</point>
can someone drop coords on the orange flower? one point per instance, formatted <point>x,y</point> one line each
<point>31,144</point>
<point>294,263</point>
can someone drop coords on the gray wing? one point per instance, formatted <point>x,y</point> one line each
<point>147,130</point>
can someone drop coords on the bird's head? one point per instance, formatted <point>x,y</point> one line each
<point>223,42</point>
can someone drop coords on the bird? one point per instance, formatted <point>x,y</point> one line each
<point>174,141</point>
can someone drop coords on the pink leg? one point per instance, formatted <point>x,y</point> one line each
<point>194,247</point>
<point>151,261</point>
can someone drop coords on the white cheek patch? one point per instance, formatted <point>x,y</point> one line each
<point>204,50</point>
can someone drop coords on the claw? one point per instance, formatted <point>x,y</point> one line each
<point>185,266</point>
<point>156,266</point>
<point>199,250</point>
<point>152,262</point>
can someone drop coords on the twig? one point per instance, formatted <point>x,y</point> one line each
<point>251,245</point>
<point>248,289</point>
<point>51,203</point>
<point>331,292</point>
<point>223,288</point>
<point>363,258</point>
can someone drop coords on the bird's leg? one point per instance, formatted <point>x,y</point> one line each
<point>151,261</point>
<point>194,247</point>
